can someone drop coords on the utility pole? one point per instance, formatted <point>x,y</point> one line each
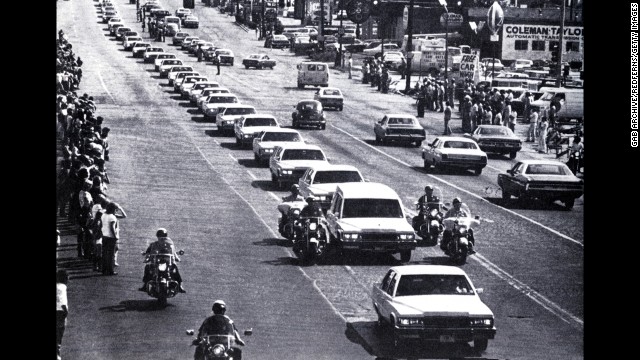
<point>560,47</point>
<point>409,48</point>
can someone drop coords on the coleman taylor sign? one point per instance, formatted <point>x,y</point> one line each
<point>533,42</point>
<point>542,32</point>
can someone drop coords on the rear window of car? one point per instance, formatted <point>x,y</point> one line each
<point>547,169</point>
<point>276,136</point>
<point>371,208</point>
<point>332,92</point>
<point>302,154</point>
<point>308,106</point>
<point>336,176</point>
<point>260,122</point>
<point>459,145</point>
<point>494,131</point>
<point>240,111</point>
<point>401,121</point>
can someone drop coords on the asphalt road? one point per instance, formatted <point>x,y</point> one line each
<point>170,169</point>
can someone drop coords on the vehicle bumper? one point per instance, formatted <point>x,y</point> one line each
<point>433,334</point>
<point>555,194</point>
<point>331,103</point>
<point>467,164</point>
<point>405,137</point>
<point>310,122</point>
<point>378,246</point>
<point>500,148</point>
<point>226,60</point>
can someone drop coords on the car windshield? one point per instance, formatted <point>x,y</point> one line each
<point>371,208</point>
<point>260,122</point>
<point>278,136</point>
<point>223,99</point>
<point>302,154</point>
<point>547,96</point>
<point>459,145</point>
<point>254,56</point>
<point>223,52</point>
<point>401,121</point>
<point>547,169</point>
<point>494,131</point>
<point>342,176</point>
<point>240,111</point>
<point>429,284</point>
<point>215,91</point>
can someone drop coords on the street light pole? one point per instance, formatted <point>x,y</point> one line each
<point>559,64</point>
<point>262,34</point>
<point>409,48</point>
<point>446,49</point>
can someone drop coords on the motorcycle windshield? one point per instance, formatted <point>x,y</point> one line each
<point>462,216</point>
<point>221,339</point>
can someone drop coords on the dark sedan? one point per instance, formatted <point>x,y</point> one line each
<point>497,139</point>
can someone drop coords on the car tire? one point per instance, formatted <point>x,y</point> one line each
<point>259,67</point>
<point>246,66</point>
<point>231,64</point>
<point>480,345</point>
<point>417,144</point>
<point>569,203</point>
<point>477,171</point>
<point>323,126</point>
<point>378,139</point>
<point>405,256</point>
<point>513,154</point>
<point>427,166</point>
<point>505,195</point>
<point>340,108</point>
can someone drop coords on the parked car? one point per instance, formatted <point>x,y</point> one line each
<point>248,126</point>
<point>210,91</point>
<point>321,181</point>
<point>399,127</point>
<point>182,12</point>
<point>454,151</point>
<point>357,46</point>
<point>150,56</point>
<point>161,57</point>
<point>226,56</point>
<point>378,49</point>
<point>121,31</point>
<point>184,45</point>
<point>394,59</point>
<point>171,29</point>
<point>268,139</point>
<point>489,64</point>
<point>432,303</point>
<point>190,21</point>
<point>330,97</point>
<point>228,116</point>
<point>308,113</point>
<point>258,61</point>
<point>188,83</point>
<point>546,180</point>
<point>178,37</point>
<point>179,77</point>
<point>496,139</point>
<point>290,161</point>
<point>277,42</point>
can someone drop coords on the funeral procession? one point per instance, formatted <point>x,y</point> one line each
<point>319,179</point>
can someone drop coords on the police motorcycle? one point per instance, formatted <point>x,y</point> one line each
<point>428,223</point>
<point>458,246</point>
<point>575,162</point>
<point>287,224</point>
<point>310,240</point>
<point>161,286</point>
<point>217,347</point>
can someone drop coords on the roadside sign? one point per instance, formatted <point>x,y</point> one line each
<point>455,20</point>
<point>495,17</point>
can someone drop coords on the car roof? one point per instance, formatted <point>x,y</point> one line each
<point>327,166</point>
<point>278,130</point>
<point>306,101</point>
<point>398,115</point>
<point>532,161</point>
<point>428,269</point>
<point>330,88</point>
<point>369,190</point>
<point>456,138</point>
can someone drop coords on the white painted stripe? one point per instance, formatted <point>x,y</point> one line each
<point>251,174</point>
<point>463,190</point>
<point>231,156</point>
<point>104,86</point>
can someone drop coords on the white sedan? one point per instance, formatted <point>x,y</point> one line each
<point>454,151</point>
<point>432,303</point>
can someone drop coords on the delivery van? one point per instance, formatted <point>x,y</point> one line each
<point>313,73</point>
<point>571,103</point>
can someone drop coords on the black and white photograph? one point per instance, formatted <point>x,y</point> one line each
<point>327,179</point>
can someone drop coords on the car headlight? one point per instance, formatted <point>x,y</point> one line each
<point>350,236</point>
<point>286,172</point>
<point>246,136</point>
<point>267,150</point>
<point>481,322</point>
<point>321,198</point>
<point>228,122</point>
<point>409,321</point>
<point>406,236</point>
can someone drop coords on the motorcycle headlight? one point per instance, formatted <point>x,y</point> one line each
<point>162,267</point>
<point>410,321</point>
<point>434,223</point>
<point>433,212</point>
<point>481,322</point>
<point>296,213</point>
<point>268,150</point>
<point>463,231</point>
<point>322,198</point>
<point>313,226</point>
<point>218,350</point>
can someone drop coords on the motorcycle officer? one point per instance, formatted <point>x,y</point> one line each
<point>422,204</point>
<point>447,236</point>
<point>218,324</point>
<point>312,209</point>
<point>577,146</point>
<point>284,208</point>
<point>164,245</point>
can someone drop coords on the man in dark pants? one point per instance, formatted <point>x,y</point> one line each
<point>62,307</point>
<point>217,61</point>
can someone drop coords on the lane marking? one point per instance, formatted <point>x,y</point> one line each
<point>231,156</point>
<point>529,292</point>
<point>252,176</point>
<point>104,86</point>
<point>463,190</point>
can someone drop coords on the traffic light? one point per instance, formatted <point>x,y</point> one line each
<point>375,8</point>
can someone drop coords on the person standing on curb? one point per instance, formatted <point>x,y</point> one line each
<point>110,237</point>
<point>217,60</point>
<point>62,307</point>
<point>542,135</point>
<point>512,120</point>
<point>447,118</point>
<point>350,64</point>
<point>533,126</point>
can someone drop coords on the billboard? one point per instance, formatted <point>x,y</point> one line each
<point>524,41</point>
